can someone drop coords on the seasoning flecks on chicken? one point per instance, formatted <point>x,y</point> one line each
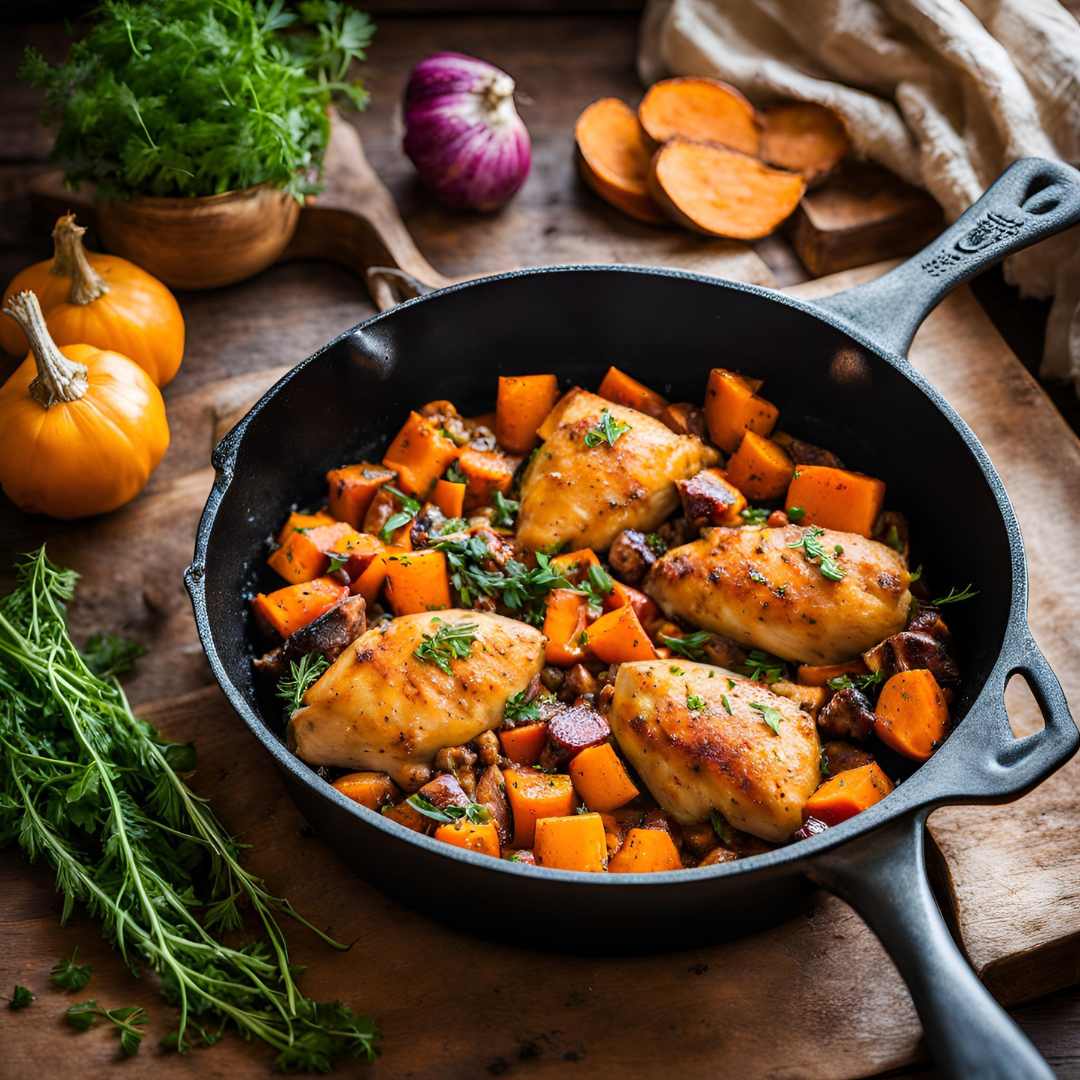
<point>581,496</point>
<point>721,753</point>
<point>749,585</point>
<point>381,707</point>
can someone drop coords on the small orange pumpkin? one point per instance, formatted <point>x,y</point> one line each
<point>101,300</point>
<point>81,428</point>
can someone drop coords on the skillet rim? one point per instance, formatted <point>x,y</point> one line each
<point>908,797</point>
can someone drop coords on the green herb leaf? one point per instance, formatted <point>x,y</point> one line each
<point>727,704</point>
<point>812,548</point>
<point>771,716</point>
<point>107,655</point>
<point>892,538</point>
<point>505,511</point>
<point>754,515</point>
<point>409,509</point>
<point>473,812</point>
<point>763,667</point>
<point>954,597</point>
<point>823,764</point>
<point>860,682</point>
<point>720,827</point>
<point>519,709</point>
<point>454,475</point>
<point>446,644</point>
<point>915,574</point>
<point>676,671</point>
<point>696,703</point>
<point>692,646</point>
<point>68,975</point>
<point>302,673</point>
<point>657,544</point>
<point>609,429</point>
<point>128,1021</point>
<point>337,560</point>
<point>453,525</point>
<point>20,998</point>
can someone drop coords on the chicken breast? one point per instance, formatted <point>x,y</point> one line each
<point>720,754</point>
<point>381,707</point>
<point>750,586</point>
<point>584,496</point>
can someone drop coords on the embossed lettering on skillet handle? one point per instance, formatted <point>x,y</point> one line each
<point>1031,200</point>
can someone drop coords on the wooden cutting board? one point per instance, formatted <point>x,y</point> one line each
<point>815,998</point>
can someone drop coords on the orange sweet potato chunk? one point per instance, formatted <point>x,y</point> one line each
<point>702,110</point>
<point>804,137</point>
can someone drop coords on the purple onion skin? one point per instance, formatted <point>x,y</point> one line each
<point>463,133</point>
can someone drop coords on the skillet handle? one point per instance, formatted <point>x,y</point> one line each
<point>882,875</point>
<point>1031,200</point>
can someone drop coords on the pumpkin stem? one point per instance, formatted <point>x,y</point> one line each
<point>58,378</point>
<point>69,260</point>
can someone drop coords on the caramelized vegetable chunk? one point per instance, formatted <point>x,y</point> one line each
<point>836,498</point>
<point>523,745</point>
<point>449,497</point>
<point>569,732</point>
<point>848,794</point>
<point>910,651</point>
<point>631,556</point>
<point>417,582</point>
<point>329,635</point>
<point>619,387</point>
<point>464,834</point>
<point>732,408</point>
<point>618,637</point>
<point>806,453</point>
<point>601,779</point>
<point>485,472</point>
<point>404,813</point>
<point>841,756</point>
<point>302,521</point>
<point>419,455</point>
<point>849,715</point>
<point>911,715</point>
<point>352,488</point>
<point>523,402</point>
<point>305,555</point>
<point>491,795</point>
<point>685,418</point>
<point>371,789</point>
<point>761,469</point>
<point>711,498</point>
<point>534,795</point>
<point>287,610</point>
<point>576,842</point>
<point>564,626</point>
<point>646,851</point>
<point>811,675</point>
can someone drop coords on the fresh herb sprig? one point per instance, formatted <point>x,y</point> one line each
<point>473,812</point>
<point>20,998</point>
<point>521,709</point>
<point>696,703</point>
<point>98,796</point>
<point>719,827</point>
<point>609,430</point>
<point>771,716</point>
<point>302,673</point>
<point>127,1021</point>
<point>860,682</point>
<point>763,667</point>
<point>754,515</point>
<point>812,547</point>
<point>505,511</point>
<point>954,596</point>
<point>692,646</point>
<point>449,642</point>
<point>68,975</point>
<point>409,509</point>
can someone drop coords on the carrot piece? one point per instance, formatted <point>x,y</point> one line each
<point>811,699</point>
<point>810,675</point>
<point>302,521</point>
<point>732,408</point>
<point>534,795</point>
<point>564,627</point>
<point>522,745</point>
<point>449,497</point>
<point>912,715</point>
<point>419,455</point>
<point>417,582</point>
<point>847,794</point>
<point>836,498</point>
<point>613,158</point>
<point>285,611</point>
<point>619,387</point>
<point>464,834</point>
<point>523,402</point>
<point>601,779</point>
<point>644,606</point>
<point>646,851</point>
<point>404,813</point>
<point>704,110</point>
<point>371,789</point>
<point>305,553</point>
<point>720,192</point>
<point>804,137</point>
<point>571,843</point>
<point>760,468</point>
<point>352,488</point>
<point>485,471</point>
<point>371,581</point>
<point>618,637</point>
<point>574,565</point>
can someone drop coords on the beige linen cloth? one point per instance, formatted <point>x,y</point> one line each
<point>945,93</point>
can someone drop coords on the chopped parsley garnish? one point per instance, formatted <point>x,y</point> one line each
<point>763,667</point>
<point>454,475</point>
<point>656,543</point>
<point>597,585</point>
<point>754,515</point>
<point>915,574</point>
<point>696,703</point>
<point>302,673</point>
<point>472,812</point>
<point>518,710</point>
<point>20,998</point>
<point>795,514</point>
<point>505,511</point>
<point>812,547</point>
<point>727,704</point>
<point>128,1022</point>
<point>823,764</point>
<point>446,644</point>
<point>719,827</point>
<point>892,538</point>
<point>609,429</point>
<point>337,560</point>
<point>860,682</point>
<point>453,525</point>
<point>676,670</point>
<point>68,975</point>
<point>761,579</point>
<point>955,597</point>
<point>771,716</point>
<point>692,646</point>
<point>409,509</point>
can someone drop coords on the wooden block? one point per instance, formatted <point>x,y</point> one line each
<point>862,215</point>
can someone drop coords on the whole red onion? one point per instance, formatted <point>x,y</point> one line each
<point>463,133</point>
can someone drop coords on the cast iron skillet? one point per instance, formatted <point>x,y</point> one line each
<point>837,369</point>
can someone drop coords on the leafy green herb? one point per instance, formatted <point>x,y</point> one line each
<point>505,511</point>
<point>609,429</point>
<point>107,655</point>
<point>676,671</point>
<point>692,646</point>
<point>597,585</point>
<point>68,975</point>
<point>302,673</point>
<point>454,475</point>
<point>727,704</point>
<point>812,547</point>
<point>173,97</point>
<point>795,514</point>
<point>915,574</point>
<point>860,682</point>
<point>823,764</point>
<point>127,1021</point>
<point>719,827</point>
<point>763,667</point>
<point>892,538</point>
<point>754,515</point>
<point>409,509</point>
<point>92,792</point>
<point>696,703</point>
<point>518,710</point>
<point>656,543</point>
<point>453,525</point>
<point>473,812</point>
<point>731,684</point>
<point>583,639</point>
<point>337,560</point>
<point>955,597</point>
<point>446,644</point>
<point>771,716</point>
<point>20,998</point>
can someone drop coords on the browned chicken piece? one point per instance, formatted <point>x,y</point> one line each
<point>710,498</point>
<point>849,715</point>
<point>749,585</point>
<point>805,453</point>
<point>630,556</point>
<point>685,418</point>
<point>702,739</point>
<point>330,634</point>
<point>491,794</point>
<point>380,706</point>
<point>584,496</point>
<point>910,651</point>
<point>841,756</point>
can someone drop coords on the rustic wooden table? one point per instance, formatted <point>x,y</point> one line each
<point>237,333</point>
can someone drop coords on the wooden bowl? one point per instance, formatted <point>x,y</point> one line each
<point>200,242</point>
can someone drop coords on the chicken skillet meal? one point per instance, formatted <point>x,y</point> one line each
<point>606,632</point>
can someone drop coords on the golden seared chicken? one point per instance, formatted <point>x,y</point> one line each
<point>749,585</point>
<point>700,738</point>
<point>382,707</point>
<point>584,496</point>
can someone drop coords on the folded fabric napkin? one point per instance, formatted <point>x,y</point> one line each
<point>945,93</point>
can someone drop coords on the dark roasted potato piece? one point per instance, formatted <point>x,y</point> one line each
<point>459,762</point>
<point>804,453</point>
<point>849,715</point>
<point>718,855</point>
<point>491,794</point>
<point>842,756</point>
<point>630,556</point>
<point>444,791</point>
<point>700,839</point>
<point>912,651</point>
<point>330,634</point>
<point>927,620</point>
<point>488,747</point>
<point>676,532</point>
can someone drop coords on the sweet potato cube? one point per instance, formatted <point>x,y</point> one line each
<point>285,611</point>
<point>564,627</point>
<point>761,469</point>
<point>371,789</point>
<point>523,402</point>
<point>371,581</point>
<point>464,834</point>
<point>352,488</point>
<point>485,472</point>
<point>620,388</point>
<point>534,795</point>
<point>912,715</point>
<point>644,606</point>
<point>618,637</point>
<point>417,581</point>
<point>576,842</point>
<point>646,851</point>
<point>404,813</point>
<point>523,745</point>
<point>819,675</point>
<point>305,555</point>
<point>302,521</point>
<point>732,408</point>
<point>420,454</point>
<point>848,794</point>
<point>836,498</point>
<point>601,779</point>
<point>449,497</point>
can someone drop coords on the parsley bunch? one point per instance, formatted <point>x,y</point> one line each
<point>199,97</point>
<point>100,797</point>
